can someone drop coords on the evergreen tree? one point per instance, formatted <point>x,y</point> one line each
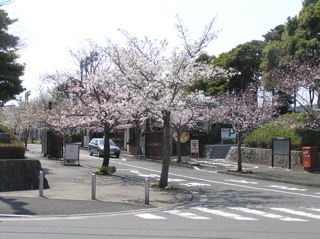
<point>10,70</point>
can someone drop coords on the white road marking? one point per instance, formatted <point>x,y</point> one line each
<point>149,216</point>
<point>224,214</point>
<point>14,215</point>
<point>286,188</point>
<point>196,184</point>
<point>187,215</point>
<point>240,181</point>
<point>313,209</point>
<point>176,180</point>
<point>225,183</point>
<point>269,215</point>
<point>156,176</point>
<point>299,213</point>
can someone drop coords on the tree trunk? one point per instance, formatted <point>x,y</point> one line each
<point>106,155</point>
<point>179,147</point>
<point>166,150</point>
<point>138,139</point>
<point>26,136</point>
<point>239,152</point>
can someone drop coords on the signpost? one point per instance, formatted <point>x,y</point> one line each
<point>281,146</point>
<point>71,156</point>
<point>194,143</point>
<point>228,134</point>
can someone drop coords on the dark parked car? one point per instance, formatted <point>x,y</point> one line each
<point>96,146</point>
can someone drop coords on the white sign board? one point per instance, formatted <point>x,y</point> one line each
<point>72,152</point>
<point>228,133</point>
<point>85,141</point>
<point>194,146</point>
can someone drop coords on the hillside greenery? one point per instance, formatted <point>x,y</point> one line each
<point>262,137</point>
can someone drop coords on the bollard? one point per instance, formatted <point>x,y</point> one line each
<point>41,184</point>
<point>147,191</point>
<point>93,188</point>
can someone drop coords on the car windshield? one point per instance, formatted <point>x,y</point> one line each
<point>112,143</point>
<point>101,142</point>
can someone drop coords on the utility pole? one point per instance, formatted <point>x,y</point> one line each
<point>26,96</point>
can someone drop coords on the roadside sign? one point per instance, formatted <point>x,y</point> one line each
<point>281,146</point>
<point>228,133</point>
<point>194,146</point>
<point>71,155</point>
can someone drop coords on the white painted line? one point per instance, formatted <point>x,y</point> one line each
<point>286,188</point>
<point>196,184</point>
<point>149,216</point>
<point>187,215</point>
<point>176,180</point>
<point>299,213</point>
<point>229,184</point>
<point>314,209</point>
<point>14,215</point>
<point>224,214</point>
<point>265,214</point>
<point>240,181</point>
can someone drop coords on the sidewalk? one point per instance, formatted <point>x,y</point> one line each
<point>70,193</point>
<point>71,188</point>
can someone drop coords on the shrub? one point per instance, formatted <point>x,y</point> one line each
<point>14,150</point>
<point>108,169</point>
<point>262,138</point>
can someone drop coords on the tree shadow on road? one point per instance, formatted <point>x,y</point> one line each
<point>14,206</point>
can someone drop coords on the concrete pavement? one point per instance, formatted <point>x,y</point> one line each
<point>70,190</point>
<point>70,193</point>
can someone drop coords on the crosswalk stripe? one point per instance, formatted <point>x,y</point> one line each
<point>265,214</point>
<point>300,213</point>
<point>186,214</point>
<point>224,214</point>
<point>149,216</point>
<point>314,209</point>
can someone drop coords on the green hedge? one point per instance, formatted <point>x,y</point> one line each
<point>14,150</point>
<point>262,138</point>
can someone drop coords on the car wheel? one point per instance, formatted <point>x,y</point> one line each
<point>118,155</point>
<point>99,155</point>
<point>90,152</point>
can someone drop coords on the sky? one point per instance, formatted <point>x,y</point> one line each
<point>49,29</point>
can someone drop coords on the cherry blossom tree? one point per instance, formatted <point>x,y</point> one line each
<point>158,79</point>
<point>301,79</point>
<point>21,117</point>
<point>244,112</point>
<point>92,98</point>
<point>297,77</point>
<point>55,105</point>
<point>188,116</point>
<point>99,103</point>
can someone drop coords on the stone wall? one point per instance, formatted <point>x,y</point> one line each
<point>218,151</point>
<point>264,157</point>
<point>20,174</point>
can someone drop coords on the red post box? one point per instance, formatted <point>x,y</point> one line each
<point>310,158</point>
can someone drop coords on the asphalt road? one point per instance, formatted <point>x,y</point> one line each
<point>224,206</point>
